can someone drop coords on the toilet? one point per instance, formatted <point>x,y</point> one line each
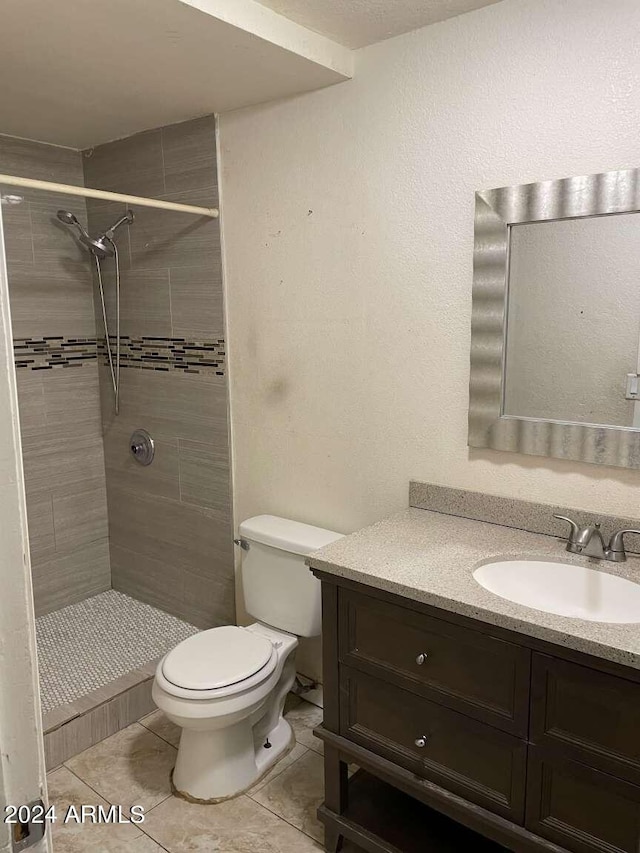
<point>226,687</point>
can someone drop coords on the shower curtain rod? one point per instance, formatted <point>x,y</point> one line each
<point>68,189</point>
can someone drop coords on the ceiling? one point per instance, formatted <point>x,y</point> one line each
<point>82,72</point>
<point>357,23</point>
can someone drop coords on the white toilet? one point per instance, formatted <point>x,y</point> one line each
<point>226,687</point>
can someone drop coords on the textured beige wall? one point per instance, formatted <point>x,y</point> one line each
<point>348,229</point>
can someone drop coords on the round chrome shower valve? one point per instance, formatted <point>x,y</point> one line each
<point>142,447</point>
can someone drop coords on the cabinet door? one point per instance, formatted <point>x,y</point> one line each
<point>476,761</point>
<point>591,715</point>
<point>582,809</point>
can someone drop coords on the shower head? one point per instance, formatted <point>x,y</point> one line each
<point>101,247</point>
<point>68,218</point>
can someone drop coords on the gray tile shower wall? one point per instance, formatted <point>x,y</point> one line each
<point>54,332</point>
<point>170,523</point>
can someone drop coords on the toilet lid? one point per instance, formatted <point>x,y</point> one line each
<point>216,658</point>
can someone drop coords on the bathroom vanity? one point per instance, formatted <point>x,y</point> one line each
<point>477,723</point>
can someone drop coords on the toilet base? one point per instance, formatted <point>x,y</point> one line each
<point>281,741</point>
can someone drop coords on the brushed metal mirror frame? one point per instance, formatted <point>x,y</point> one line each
<point>496,211</point>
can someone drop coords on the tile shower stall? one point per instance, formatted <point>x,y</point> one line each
<point>126,560</point>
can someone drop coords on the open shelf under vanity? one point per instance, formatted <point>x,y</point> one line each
<point>382,819</point>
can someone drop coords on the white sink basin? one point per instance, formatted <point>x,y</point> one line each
<point>563,588</point>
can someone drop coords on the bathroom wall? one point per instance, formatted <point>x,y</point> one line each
<point>170,523</point>
<point>55,353</point>
<point>348,223</point>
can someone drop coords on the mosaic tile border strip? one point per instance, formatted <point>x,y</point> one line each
<point>143,353</point>
<point>53,351</point>
<point>165,354</point>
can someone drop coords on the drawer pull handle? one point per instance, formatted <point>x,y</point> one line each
<point>421,658</point>
<point>421,741</point>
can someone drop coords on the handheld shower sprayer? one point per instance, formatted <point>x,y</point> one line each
<point>102,247</point>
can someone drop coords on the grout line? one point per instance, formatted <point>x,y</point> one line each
<point>137,826</point>
<point>283,819</point>
<point>166,849</point>
<point>180,471</point>
<point>173,331</point>
<point>138,723</point>
<point>160,847</point>
<point>153,808</point>
<point>84,782</point>
<point>264,784</point>
<point>53,526</point>
<point>129,246</point>
<point>284,769</point>
<point>156,733</point>
<point>164,170</point>
<point>163,800</point>
<point>33,250</point>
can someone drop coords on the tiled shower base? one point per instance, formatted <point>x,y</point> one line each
<point>97,660</point>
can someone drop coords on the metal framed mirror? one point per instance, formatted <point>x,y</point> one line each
<point>555,334</point>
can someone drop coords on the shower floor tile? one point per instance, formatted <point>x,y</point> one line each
<point>87,645</point>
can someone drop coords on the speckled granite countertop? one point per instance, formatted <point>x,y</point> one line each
<point>430,557</point>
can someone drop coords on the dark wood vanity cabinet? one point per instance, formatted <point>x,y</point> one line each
<point>482,738</point>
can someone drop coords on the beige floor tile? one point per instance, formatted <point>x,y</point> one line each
<point>129,768</point>
<point>164,728</point>
<point>303,718</point>
<point>296,793</point>
<point>65,790</point>
<point>297,752</point>
<point>236,826</point>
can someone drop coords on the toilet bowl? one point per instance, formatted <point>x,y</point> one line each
<point>222,751</point>
<point>226,687</point>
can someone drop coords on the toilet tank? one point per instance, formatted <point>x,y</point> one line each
<point>278,588</point>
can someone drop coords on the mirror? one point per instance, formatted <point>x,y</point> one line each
<point>573,320</point>
<point>555,341</point>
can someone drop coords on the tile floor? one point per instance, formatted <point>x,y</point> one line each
<point>87,645</point>
<point>132,767</point>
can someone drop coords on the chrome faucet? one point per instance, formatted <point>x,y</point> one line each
<point>589,541</point>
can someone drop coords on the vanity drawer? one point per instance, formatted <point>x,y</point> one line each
<point>467,670</point>
<point>579,808</point>
<point>478,762</point>
<point>594,715</point>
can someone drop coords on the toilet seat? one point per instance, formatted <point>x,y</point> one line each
<point>217,663</point>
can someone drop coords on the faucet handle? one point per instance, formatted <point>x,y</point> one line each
<point>616,545</point>
<point>575,530</point>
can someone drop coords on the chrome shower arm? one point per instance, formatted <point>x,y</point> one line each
<point>127,218</point>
